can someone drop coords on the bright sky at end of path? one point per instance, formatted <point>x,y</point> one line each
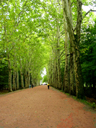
<point>44,72</point>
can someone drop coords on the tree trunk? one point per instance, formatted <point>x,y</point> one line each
<point>17,80</point>
<point>22,82</point>
<point>66,69</point>
<point>26,79</point>
<point>50,71</point>
<point>14,80</point>
<point>10,76</point>
<point>78,73</point>
<point>58,56</point>
<point>31,78</point>
<point>74,41</point>
<point>54,68</point>
<point>59,74</point>
<point>72,73</point>
<point>21,73</point>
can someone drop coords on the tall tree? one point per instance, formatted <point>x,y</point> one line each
<point>74,35</point>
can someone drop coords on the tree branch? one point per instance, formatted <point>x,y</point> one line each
<point>85,16</point>
<point>62,53</point>
<point>88,12</point>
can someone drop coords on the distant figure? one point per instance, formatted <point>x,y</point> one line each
<point>48,86</point>
<point>29,86</point>
<point>32,86</point>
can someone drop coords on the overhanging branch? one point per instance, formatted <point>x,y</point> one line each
<point>85,16</point>
<point>88,12</point>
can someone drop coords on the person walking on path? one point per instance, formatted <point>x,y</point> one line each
<point>32,86</point>
<point>48,86</point>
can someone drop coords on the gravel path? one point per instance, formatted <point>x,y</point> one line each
<point>39,107</point>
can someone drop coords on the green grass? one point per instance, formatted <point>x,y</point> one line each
<point>84,101</point>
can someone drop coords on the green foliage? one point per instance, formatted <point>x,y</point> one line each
<point>88,54</point>
<point>3,72</point>
<point>93,105</point>
<point>84,101</point>
<point>62,73</point>
<point>45,78</point>
<point>21,35</point>
<point>28,35</point>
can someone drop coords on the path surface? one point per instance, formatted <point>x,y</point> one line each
<point>39,107</point>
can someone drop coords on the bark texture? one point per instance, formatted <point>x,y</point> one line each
<point>17,79</point>
<point>74,44</point>
<point>14,80</point>
<point>10,76</point>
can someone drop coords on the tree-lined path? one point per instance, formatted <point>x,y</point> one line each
<point>39,107</point>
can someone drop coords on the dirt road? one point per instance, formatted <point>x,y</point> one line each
<point>39,107</point>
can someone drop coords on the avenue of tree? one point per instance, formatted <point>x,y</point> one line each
<point>56,34</point>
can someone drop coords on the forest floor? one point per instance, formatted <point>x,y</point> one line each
<point>39,107</point>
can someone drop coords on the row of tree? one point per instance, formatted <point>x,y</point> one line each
<point>52,34</point>
<point>22,52</point>
<point>73,17</point>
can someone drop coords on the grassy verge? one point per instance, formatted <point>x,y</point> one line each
<point>84,101</point>
<point>4,92</point>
